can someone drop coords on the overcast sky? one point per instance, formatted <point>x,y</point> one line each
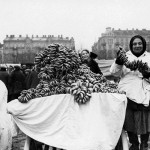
<point>85,20</point>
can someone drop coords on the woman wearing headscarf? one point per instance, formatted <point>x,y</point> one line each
<point>88,59</point>
<point>134,83</point>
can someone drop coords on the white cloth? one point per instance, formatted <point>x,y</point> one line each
<point>7,129</point>
<point>137,89</point>
<point>60,122</point>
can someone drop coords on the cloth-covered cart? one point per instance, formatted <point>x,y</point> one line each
<point>61,122</point>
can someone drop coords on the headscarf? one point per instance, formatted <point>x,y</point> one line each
<point>143,42</point>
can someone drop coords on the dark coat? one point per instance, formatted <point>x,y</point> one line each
<point>4,76</point>
<point>137,118</point>
<point>16,82</point>
<point>94,66</point>
<point>32,80</point>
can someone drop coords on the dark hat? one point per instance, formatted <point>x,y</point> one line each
<point>3,68</point>
<point>93,55</point>
<point>17,67</point>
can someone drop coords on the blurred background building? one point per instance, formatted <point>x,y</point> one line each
<point>23,49</point>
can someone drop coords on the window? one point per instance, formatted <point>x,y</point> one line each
<point>110,41</point>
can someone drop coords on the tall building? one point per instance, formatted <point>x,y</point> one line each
<point>23,49</point>
<point>107,44</point>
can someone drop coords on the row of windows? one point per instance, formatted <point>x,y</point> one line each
<point>22,45</point>
<point>118,40</point>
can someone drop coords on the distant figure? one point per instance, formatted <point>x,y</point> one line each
<point>16,82</point>
<point>4,76</point>
<point>27,75</point>
<point>33,79</point>
<point>10,69</point>
<point>23,68</point>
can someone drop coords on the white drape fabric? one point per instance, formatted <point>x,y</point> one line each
<point>7,126</point>
<point>61,122</point>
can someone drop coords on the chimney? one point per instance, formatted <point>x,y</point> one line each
<point>20,36</point>
<point>108,29</point>
<point>6,36</point>
<point>72,38</point>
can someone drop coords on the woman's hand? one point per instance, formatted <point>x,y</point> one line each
<point>119,59</point>
<point>146,74</point>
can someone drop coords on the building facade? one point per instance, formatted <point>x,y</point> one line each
<point>107,44</point>
<point>23,49</point>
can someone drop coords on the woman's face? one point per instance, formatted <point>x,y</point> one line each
<point>137,46</point>
<point>85,55</point>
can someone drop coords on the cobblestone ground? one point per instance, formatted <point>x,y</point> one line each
<point>19,140</point>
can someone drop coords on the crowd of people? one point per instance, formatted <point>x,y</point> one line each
<point>18,78</point>
<point>133,82</point>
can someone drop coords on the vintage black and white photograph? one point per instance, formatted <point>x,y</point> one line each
<point>74,75</point>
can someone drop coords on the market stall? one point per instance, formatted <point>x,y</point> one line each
<point>61,122</point>
<point>71,108</point>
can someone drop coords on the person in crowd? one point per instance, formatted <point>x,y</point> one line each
<point>27,75</point>
<point>88,58</point>
<point>33,79</point>
<point>16,82</point>
<point>23,68</point>
<point>133,82</point>
<point>4,76</point>
<point>10,69</point>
